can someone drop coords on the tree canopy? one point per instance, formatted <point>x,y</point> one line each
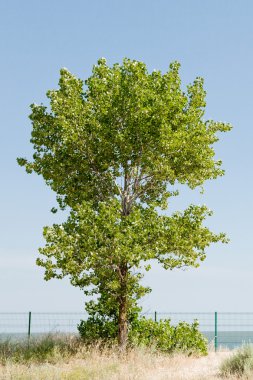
<point>113,148</point>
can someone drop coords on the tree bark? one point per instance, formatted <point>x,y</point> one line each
<point>122,323</point>
<point>123,312</point>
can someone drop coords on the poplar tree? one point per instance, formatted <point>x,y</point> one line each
<point>113,149</point>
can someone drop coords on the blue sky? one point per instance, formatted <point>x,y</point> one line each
<point>212,39</point>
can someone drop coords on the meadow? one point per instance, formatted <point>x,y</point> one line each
<point>58,358</point>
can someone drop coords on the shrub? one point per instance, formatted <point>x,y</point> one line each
<point>161,335</point>
<point>165,337</point>
<point>97,329</point>
<point>239,364</point>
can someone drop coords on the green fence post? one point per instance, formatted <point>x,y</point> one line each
<point>29,327</point>
<point>215,331</point>
<point>155,316</point>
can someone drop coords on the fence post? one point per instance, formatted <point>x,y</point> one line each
<point>155,316</point>
<point>215,331</point>
<point>29,327</point>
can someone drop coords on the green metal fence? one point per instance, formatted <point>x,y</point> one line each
<point>228,330</point>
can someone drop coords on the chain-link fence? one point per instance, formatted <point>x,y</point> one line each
<point>21,325</point>
<point>228,330</point>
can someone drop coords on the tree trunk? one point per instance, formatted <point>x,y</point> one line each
<point>122,322</point>
<point>123,312</point>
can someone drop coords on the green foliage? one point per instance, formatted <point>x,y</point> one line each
<point>95,330</point>
<point>162,336</point>
<point>94,241</point>
<point>165,337</point>
<point>126,121</point>
<point>239,364</point>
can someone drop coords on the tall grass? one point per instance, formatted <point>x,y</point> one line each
<point>136,365</point>
<point>49,348</point>
<point>68,358</point>
<point>240,364</point>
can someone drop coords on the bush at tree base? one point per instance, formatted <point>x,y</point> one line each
<point>161,335</point>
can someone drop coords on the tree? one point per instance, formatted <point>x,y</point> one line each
<point>113,151</point>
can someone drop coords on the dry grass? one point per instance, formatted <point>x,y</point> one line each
<point>138,364</point>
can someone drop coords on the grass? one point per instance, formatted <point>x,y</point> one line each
<point>49,348</point>
<point>240,364</point>
<point>67,358</point>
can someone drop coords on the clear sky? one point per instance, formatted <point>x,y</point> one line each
<point>213,39</point>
